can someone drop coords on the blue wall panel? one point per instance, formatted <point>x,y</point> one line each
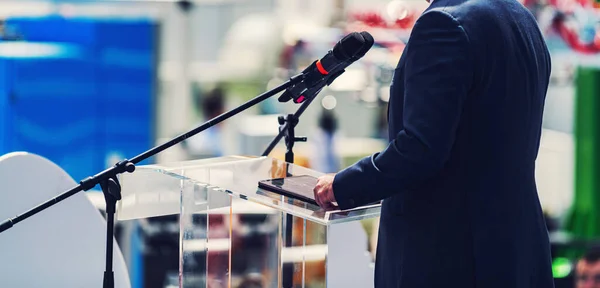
<point>127,72</point>
<point>5,112</point>
<point>55,29</point>
<point>83,97</point>
<point>83,108</point>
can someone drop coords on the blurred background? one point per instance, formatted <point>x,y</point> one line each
<point>88,83</point>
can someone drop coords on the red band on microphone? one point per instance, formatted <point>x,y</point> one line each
<point>320,68</point>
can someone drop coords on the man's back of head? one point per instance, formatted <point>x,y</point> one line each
<point>588,270</point>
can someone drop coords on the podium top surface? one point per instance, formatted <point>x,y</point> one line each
<point>155,190</point>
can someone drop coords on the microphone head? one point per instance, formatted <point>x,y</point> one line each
<point>349,46</point>
<point>369,41</point>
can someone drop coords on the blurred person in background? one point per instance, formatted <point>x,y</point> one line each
<point>460,204</point>
<point>324,157</point>
<point>381,124</point>
<point>295,57</point>
<point>587,271</point>
<point>209,142</point>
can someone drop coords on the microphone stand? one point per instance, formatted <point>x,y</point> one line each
<point>286,130</point>
<point>111,187</point>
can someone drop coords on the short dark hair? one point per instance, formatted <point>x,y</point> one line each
<point>328,121</point>
<point>213,102</point>
<point>592,255</point>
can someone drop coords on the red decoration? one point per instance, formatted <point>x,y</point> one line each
<point>375,20</point>
<point>564,10</point>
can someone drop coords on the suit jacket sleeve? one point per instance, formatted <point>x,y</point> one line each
<point>438,75</point>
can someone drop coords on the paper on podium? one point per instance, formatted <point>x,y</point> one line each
<point>155,190</point>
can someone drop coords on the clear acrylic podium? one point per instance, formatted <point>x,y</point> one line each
<point>232,233</point>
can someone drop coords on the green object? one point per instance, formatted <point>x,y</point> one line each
<point>561,267</point>
<point>584,219</point>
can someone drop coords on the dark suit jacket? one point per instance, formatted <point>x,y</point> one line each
<point>461,207</point>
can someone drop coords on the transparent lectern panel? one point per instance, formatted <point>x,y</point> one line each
<point>245,244</point>
<point>303,259</point>
<point>193,234</point>
<point>237,175</point>
<point>218,239</point>
<point>248,245</point>
<point>240,176</point>
<point>253,253</point>
<point>148,193</point>
<point>233,234</point>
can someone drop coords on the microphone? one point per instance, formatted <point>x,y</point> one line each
<point>325,70</point>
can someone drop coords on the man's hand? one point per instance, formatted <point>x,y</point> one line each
<point>324,192</point>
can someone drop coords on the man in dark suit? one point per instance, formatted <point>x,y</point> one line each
<point>460,205</point>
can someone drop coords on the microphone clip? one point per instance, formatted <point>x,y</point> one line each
<point>310,85</point>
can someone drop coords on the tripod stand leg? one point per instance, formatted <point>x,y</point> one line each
<point>288,268</point>
<point>112,193</point>
<point>288,124</point>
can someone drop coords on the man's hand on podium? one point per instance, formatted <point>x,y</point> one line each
<point>324,192</point>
